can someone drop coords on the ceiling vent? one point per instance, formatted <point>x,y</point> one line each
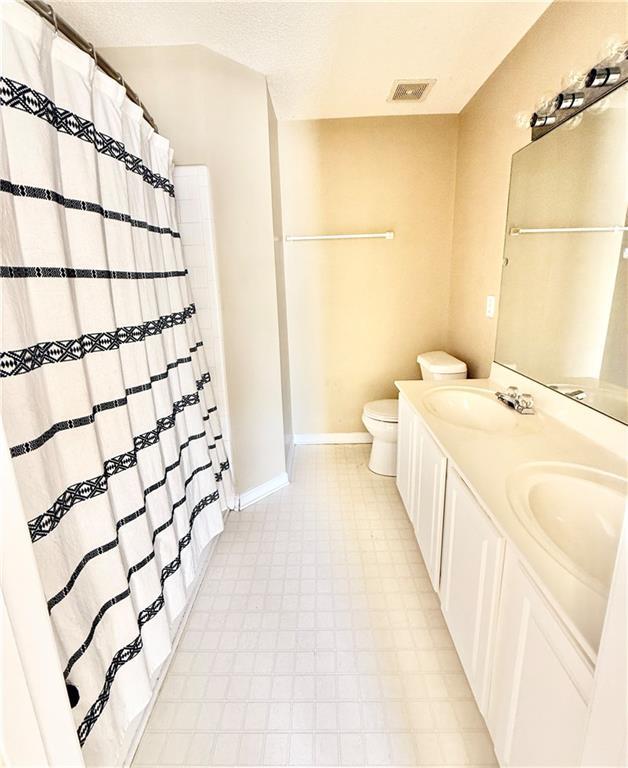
<point>410,90</point>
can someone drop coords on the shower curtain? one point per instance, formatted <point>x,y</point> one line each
<point>106,399</point>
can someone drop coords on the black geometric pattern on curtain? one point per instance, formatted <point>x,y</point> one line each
<point>17,361</point>
<point>21,96</point>
<point>39,193</point>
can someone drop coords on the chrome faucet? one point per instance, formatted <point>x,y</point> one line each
<point>576,394</point>
<point>522,402</point>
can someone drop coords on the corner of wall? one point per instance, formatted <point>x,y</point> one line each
<point>215,113</point>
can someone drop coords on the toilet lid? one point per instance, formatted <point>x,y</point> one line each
<point>382,410</point>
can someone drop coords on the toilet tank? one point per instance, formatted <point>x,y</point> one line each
<point>440,365</point>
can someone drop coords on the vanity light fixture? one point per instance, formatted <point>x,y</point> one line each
<point>569,100</point>
<point>600,76</point>
<point>581,91</point>
<point>537,120</point>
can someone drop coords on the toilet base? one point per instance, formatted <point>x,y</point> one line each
<point>383,459</point>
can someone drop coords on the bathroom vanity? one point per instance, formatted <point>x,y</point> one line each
<point>519,511</point>
<point>518,518</point>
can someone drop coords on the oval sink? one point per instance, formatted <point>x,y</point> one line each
<point>575,513</point>
<point>470,407</point>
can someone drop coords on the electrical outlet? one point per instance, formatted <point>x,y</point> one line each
<point>490,306</point>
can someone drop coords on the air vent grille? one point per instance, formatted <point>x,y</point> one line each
<point>410,90</point>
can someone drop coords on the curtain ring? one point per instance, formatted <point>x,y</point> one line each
<point>55,23</point>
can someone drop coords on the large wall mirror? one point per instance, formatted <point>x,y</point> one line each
<point>564,296</point>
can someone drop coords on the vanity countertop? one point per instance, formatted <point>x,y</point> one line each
<point>485,460</point>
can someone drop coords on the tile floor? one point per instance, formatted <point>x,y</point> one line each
<point>316,638</point>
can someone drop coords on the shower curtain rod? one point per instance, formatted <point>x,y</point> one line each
<point>48,13</point>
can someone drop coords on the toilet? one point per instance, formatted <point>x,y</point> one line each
<point>380,417</point>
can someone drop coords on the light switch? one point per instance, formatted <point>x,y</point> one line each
<point>490,306</point>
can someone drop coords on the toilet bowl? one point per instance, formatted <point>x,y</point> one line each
<point>380,419</point>
<point>380,416</point>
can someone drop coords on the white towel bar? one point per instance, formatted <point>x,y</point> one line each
<point>543,230</point>
<point>365,236</point>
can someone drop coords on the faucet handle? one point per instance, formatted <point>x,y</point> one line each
<point>526,400</point>
<point>513,390</point>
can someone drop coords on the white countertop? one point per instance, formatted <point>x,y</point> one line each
<point>484,460</point>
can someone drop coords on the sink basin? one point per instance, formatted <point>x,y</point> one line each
<point>575,513</point>
<point>471,407</point>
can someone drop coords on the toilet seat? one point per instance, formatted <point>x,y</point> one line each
<point>383,410</point>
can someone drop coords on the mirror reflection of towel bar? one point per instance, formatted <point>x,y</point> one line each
<point>544,230</point>
<point>365,236</point>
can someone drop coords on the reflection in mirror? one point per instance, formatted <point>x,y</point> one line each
<point>564,295</point>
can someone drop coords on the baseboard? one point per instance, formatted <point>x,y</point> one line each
<point>332,438</point>
<point>290,460</point>
<point>265,489</point>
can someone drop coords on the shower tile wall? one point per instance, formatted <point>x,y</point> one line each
<point>196,225</point>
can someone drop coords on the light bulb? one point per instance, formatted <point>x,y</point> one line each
<point>573,80</point>
<point>601,106</point>
<point>574,122</point>
<point>545,104</point>
<point>522,119</point>
<point>613,50</point>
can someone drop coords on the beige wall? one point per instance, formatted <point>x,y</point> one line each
<point>359,312</point>
<point>280,276</point>
<point>568,36</point>
<point>215,113</point>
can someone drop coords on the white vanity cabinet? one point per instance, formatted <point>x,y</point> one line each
<point>472,562</point>
<point>421,470</point>
<point>405,453</point>
<point>531,676</point>
<point>541,681</point>
<point>429,499</point>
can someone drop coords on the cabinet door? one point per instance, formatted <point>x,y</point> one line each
<point>429,499</point>
<point>405,453</point>
<point>541,680</point>
<point>473,556</point>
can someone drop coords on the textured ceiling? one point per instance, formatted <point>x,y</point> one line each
<point>329,59</point>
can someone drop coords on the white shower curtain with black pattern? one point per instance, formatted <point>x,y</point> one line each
<point>106,399</point>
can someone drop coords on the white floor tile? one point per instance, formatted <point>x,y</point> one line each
<point>316,638</point>
<point>326,749</point>
<point>277,749</point>
<point>301,749</point>
<point>280,717</point>
<point>251,749</point>
<point>200,749</point>
<point>352,749</point>
<point>226,749</point>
